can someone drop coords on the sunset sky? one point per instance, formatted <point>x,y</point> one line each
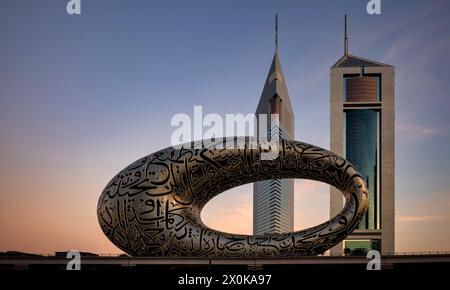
<point>81,97</point>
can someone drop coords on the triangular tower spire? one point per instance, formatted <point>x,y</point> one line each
<point>348,60</point>
<point>275,87</point>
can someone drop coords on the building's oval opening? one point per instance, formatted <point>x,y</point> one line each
<point>232,211</point>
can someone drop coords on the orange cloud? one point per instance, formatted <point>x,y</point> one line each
<point>423,218</point>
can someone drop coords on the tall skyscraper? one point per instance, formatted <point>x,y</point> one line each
<point>273,200</point>
<point>362,131</point>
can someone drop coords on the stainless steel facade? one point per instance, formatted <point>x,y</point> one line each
<point>153,206</point>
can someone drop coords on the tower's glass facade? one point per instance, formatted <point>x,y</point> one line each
<point>362,96</point>
<point>362,150</point>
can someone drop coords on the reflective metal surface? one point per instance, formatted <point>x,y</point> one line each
<point>152,207</point>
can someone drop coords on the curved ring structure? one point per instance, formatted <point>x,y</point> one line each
<point>152,207</point>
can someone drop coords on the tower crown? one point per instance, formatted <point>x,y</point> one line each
<point>275,88</point>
